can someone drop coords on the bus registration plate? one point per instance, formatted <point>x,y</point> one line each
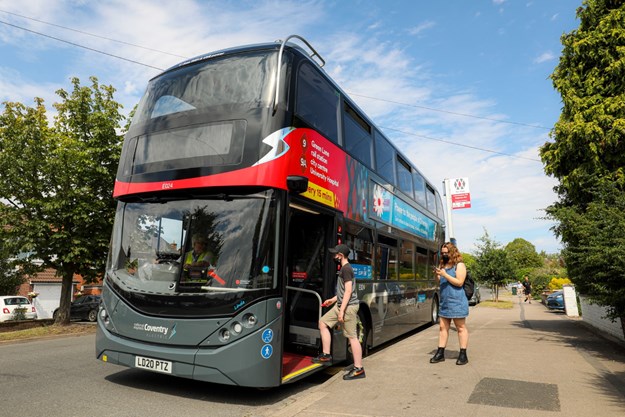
<point>156,365</point>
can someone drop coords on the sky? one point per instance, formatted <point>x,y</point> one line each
<point>461,87</point>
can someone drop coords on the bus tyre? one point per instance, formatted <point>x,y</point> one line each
<point>362,331</point>
<point>434,316</point>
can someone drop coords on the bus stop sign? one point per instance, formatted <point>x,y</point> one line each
<point>460,195</point>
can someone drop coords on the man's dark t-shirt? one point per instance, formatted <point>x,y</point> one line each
<point>346,274</point>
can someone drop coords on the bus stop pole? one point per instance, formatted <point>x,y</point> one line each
<point>449,223</point>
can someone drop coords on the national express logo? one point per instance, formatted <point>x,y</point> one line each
<point>459,184</point>
<point>159,332</point>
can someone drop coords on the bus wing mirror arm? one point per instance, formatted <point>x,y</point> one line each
<point>297,184</point>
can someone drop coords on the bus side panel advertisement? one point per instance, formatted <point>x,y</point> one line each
<point>392,210</point>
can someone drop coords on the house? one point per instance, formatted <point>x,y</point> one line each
<point>47,286</point>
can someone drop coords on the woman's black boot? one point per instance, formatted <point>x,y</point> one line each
<point>462,357</point>
<point>439,356</point>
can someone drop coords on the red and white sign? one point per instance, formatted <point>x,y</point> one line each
<point>460,195</point>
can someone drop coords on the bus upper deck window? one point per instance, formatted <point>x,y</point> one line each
<point>168,105</point>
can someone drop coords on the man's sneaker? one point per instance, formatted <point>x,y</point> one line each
<point>323,358</point>
<point>355,373</point>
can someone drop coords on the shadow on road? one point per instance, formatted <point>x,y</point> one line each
<point>206,391</point>
<point>593,347</point>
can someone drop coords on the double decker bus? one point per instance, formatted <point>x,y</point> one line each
<point>258,154</point>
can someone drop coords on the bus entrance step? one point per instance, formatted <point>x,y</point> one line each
<point>295,366</point>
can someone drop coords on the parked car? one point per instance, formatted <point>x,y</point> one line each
<point>12,305</point>
<point>555,301</point>
<point>477,297</point>
<point>83,308</point>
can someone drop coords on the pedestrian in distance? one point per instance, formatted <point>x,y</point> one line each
<point>344,311</point>
<point>527,289</point>
<point>451,273</point>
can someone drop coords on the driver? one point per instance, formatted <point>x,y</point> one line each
<point>200,255</point>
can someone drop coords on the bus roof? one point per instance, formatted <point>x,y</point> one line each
<point>234,50</point>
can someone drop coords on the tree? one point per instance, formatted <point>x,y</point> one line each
<point>58,181</point>
<point>587,154</point>
<point>10,276</point>
<point>492,264</point>
<point>523,256</point>
<point>595,251</point>
<point>552,267</point>
<point>469,260</point>
<point>588,148</point>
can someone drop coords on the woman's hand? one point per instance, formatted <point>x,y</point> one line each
<point>438,272</point>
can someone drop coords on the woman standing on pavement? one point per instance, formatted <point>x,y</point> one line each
<point>454,305</point>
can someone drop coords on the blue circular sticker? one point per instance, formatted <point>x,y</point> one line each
<point>265,269</point>
<point>266,351</point>
<point>267,335</point>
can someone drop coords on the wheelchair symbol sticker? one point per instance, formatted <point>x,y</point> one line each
<point>266,351</point>
<point>267,335</point>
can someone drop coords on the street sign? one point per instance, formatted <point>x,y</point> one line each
<point>460,194</point>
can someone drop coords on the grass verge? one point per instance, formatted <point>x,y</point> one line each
<point>53,330</point>
<point>502,304</point>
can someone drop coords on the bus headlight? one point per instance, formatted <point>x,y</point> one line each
<point>224,335</point>
<point>236,327</point>
<point>249,320</point>
<point>104,316</point>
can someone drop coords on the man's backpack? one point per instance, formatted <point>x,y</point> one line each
<point>469,286</point>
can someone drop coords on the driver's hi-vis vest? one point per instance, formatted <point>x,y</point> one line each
<point>203,256</point>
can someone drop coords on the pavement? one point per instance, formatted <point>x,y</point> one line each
<point>524,361</point>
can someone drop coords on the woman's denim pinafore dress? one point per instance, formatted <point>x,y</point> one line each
<point>454,303</point>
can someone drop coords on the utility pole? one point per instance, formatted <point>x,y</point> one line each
<point>449,226</point>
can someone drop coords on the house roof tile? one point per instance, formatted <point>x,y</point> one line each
<point>49,275</point>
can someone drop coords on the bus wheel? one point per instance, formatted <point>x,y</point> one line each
<point>434,316</point>
<point>362,332</point>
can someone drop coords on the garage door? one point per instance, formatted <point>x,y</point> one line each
<point>48,300</point>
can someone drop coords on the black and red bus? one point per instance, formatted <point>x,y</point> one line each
<point>256,152</point>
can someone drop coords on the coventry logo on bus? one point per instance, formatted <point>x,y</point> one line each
<point>155,331</point>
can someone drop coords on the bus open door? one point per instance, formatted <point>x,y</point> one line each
<point>311,279</point>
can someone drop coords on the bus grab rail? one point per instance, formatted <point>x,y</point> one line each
<point>315,53</point>
<point>310,292</point>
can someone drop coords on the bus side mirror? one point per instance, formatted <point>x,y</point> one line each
<point>297,184</point>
